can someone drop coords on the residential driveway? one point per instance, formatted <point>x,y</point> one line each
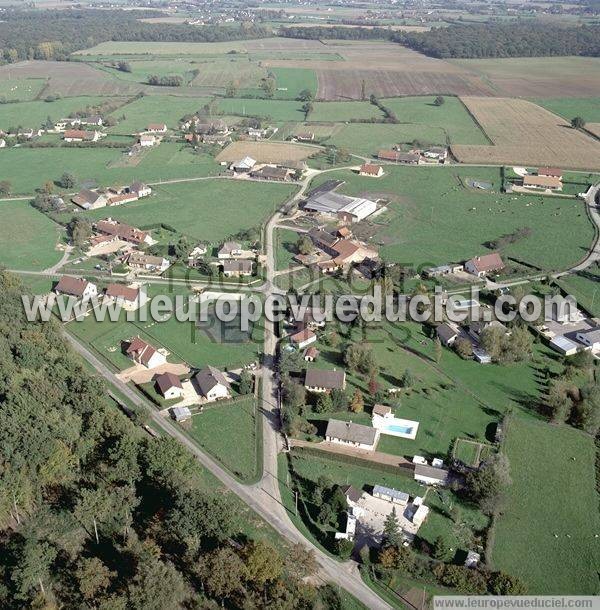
<point>140,374</point>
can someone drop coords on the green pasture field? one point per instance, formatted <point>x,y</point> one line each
<point>294,80</point>
<point>585,287</point>
<point>551,510</point>
<point>23,89</point>
<point>451,117</point>
<point>588,108</point>
<point>29,238</point>
<point>34,114</point>
<point>340,112</point>
<point>168,109</point>
<point>228,433</point>
<point>286,248</point>
<point>208,210</point>
<point>141,70</point>
<point>29,168</point>
<point>434,219</point>
<point>277,110</point>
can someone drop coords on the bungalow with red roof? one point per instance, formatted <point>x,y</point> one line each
<point>76,287</point>
<point>482,265</point>
<point>370,169</point>
<point>128,297</point>
<point>157,128</point>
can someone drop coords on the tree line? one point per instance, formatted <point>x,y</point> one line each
<point>504,40</point>
<point>95,513</point>
<point>28,34</point>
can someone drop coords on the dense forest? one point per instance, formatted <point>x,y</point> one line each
<point>336,32</point>
<point>504,40</point>
<point>95,513</point>
<point>56,34</point>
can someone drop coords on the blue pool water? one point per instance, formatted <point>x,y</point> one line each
<point>400,429</point>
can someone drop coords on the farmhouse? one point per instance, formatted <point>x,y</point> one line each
<point>77,135</point>
<point>237,268</point>
<point>321,380</point>
<point>168,385</point>
<point>347,209</point>
<point>156,128</point>
<point>230,249</point>
<point>437,153</point>
<point>370,169</point>
<point>303,338</point>
<point>311,354</point>
<point>146,262</point>
<point>399,157</point>
<point>268,172</point>
<point>144,353</point>
<point>553,172</point>
<point>447,334</point>
<point>212,384</point>
<point>430,475</point>
<point>590,338</point>
<point>147,139</point>
<point>140,189</point>
<point>323,240</point>
<point>349,433</point>
<point>257,133</point>
<point>482,265</point>
<point>546,183</point>
<point>307,136</point>
<point>90,200</point>
<point>95,120</point>
<point>76,287</point>
<point>126,296</point>
<point>123,231</point>
<point>120,198</point>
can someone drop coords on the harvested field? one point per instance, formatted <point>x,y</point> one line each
<point>266,152</point>
<point>527,134</point>
<point>593,128</point>
<point>388,70</point>
<point>543,77</point>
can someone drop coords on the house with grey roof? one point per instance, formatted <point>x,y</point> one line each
<point>322,380</point>
<point>351,434</point>
<point>212,384</point>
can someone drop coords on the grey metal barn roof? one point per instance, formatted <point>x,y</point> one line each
<point>327,202</point>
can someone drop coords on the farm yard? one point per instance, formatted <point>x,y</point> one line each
<point>266,152</point>
<point>551,510</point>
<point>527,134</point>
<point>29,237</point>
<point>434,217</point>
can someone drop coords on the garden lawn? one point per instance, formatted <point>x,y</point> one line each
<point>28,237</point>
<point>286,248</point>
<point>209,210</point>
<point>228,433</point>
<point>433,218</point>
<point>167,109</point>
<point>546,532</point>
<point>294,80</point>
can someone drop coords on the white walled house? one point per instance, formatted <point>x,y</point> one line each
<point>590,338</point>
<point>145,354</point>
<point>349,433</point>
<point>212,384</point>
<point>76,287</point>
<point>169,386</point>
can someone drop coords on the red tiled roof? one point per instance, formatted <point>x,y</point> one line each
<point>124,292</point>
<point>74,286</point>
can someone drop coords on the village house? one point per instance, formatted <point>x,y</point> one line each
<point>90,200</point>
<point>76,287</point>
<point>145,354</point>
<point>349,433</point>
<point>303,338</point>
<point>399,157</point>
<point>553,172</point>
<point>322,380</point>
<point>545,183</point>
<point>311,354</point>
<point>95,120</point>
<point>436,153</point>
<point>156,128</point>
<point>128,297</point>
<point>480,266</point>
<point>123,231</point>
<point>140,189</point>
<point>196,256</point>
<point>269,172</point>
<point>168,386</point>
<point>307,136</point>
<point>237,268</point>
<point>147,262</point>
<point>212,384</point>
<point>430,475</point>
<point>370,169</point>
<point>230,249</point>
<point>257,133</point>
<point>78,135</point>
<point>147,139</point>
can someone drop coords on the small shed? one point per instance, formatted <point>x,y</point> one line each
<point>180,414</point>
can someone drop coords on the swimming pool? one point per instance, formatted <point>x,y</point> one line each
<point>394,426</point>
